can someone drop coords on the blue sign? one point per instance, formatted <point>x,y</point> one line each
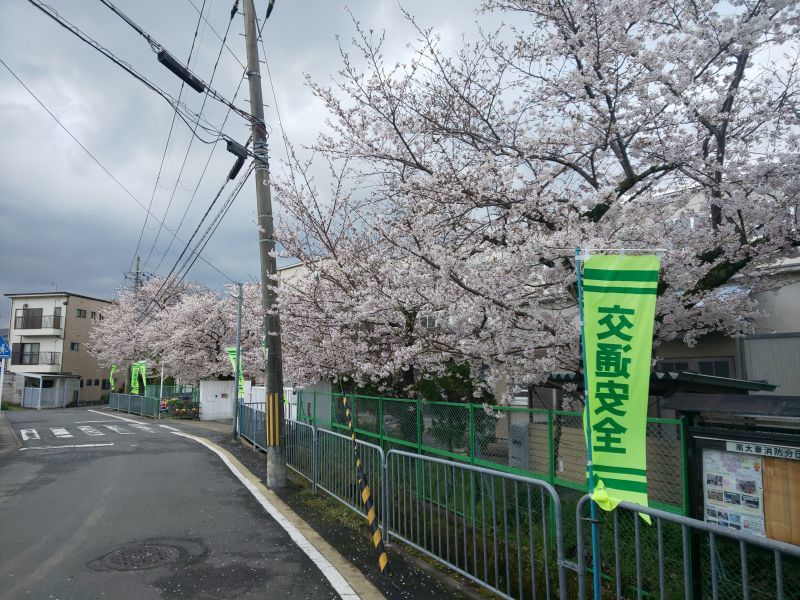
<point>5,351</point>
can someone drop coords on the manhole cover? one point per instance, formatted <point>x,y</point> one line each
<point>148,556</point>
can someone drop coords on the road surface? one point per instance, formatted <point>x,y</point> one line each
<point>94,507</point>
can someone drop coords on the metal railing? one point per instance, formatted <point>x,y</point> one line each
<point>38,358</point>
<point>143,406</point>
<point>681,557</point>
<point>337,475</point>
<point>37,322</point>
<point>497,529</point>
<point>505,531</point>
<point>544,444</point>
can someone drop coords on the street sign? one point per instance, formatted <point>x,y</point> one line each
<point>5,351</point>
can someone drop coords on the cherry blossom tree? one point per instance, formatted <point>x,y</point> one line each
<point>462,180</point>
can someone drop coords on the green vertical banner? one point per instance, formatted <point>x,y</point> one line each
<point>135,378</point>
<point>111,377</point>
<point>619,300</point>
<point>138,368</point>
<point>232,356</point>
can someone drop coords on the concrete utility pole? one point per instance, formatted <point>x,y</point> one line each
<point>276,455</point>
<point>236,406</point>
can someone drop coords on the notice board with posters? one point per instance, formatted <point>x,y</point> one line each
<point>733,490</point>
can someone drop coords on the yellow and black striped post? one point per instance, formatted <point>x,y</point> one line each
<point>271,421</point>
<point>366,497</point>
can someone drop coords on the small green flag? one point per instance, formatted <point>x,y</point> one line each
<point>619,300</point>
<point>232,356</point>
<point>111,377</point>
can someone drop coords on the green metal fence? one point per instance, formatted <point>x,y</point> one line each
<point>541,443</point>
<point>173,391</point>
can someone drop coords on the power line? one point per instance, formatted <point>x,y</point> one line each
<point>172,283</point>
<point>159,48</point>
<point>166,145</point>
<point>184,111</point>
<point>97,161</point>
<point>186,157</point>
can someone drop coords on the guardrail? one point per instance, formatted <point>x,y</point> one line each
<point>505,531</point>
<point>132,404</point>
<point>694,559</point>
<point>497,529</point>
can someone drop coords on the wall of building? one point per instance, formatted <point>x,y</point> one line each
<point>49,339</point>
<point>80,362</point>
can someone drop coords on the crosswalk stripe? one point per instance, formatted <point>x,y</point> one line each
<point>142,427</point>
<point>29,434</point>
<point>90,430</point>
<point>60,432</point>
<point>118,429</point>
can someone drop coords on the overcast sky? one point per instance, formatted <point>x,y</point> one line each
<point>64,224</point>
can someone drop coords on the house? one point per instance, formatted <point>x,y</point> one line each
<point>771,354</point>
<point>48,334</point>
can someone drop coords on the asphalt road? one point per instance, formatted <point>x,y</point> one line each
<point>118,511</point>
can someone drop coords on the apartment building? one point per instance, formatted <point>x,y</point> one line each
<point>48,334</point>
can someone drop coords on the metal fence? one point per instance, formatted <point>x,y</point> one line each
<point>680,557</point>
<point>144,406</point>
<point>498,529</point>
<point>38,398</point>
<point>539,443</point>
<point>515,535</point>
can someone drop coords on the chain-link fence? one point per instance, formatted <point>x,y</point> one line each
<point>540,443</point>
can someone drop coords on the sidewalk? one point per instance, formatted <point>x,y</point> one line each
<point>8,440</point>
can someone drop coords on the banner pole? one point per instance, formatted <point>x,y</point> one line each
<point>596,575</point>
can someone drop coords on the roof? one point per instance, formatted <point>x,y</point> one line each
<point>45,294</point>
<point>739,405</point>
<point>671,380</point>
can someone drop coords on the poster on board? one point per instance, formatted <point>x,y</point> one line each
<point>733,492</point>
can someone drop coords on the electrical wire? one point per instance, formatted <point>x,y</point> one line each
<point>183,111</point>
<point>166,145</point>
<point>172,283</point>
<point>186,157</point>
<point>97,161</point>
<point>156,46</point>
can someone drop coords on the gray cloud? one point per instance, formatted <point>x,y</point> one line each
<point>62,220</point>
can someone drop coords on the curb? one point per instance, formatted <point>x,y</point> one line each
<point>335,567</point>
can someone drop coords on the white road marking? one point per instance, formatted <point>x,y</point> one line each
<point>118,429</point>
<point>168,427</point>
<point>143,427</point>
<point>335,578</point>
<point>65,446</point>
<point>115,417</point>
<point>29,434</point>
<point>94,421</point>
<point>90,430</point>
<point>60,432</point>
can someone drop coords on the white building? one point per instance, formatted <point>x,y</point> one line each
<point>48,334</point>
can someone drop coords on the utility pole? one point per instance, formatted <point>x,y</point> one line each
<point>237,408</point>
<point>276,455</point>
<point>137,281</point>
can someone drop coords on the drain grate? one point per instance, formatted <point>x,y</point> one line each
<point>148,556</point>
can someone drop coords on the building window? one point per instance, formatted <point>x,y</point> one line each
<point>73,345</point>
<point>81,382</point>
<point>25,354</point>
<point>96,382</point>
<point>57,317</point>
<point>427,321</point>
<point>81,314</point>
<point>94,315</point>
<point>100,316</point>
<point>106,384</point>
<point>718,366</point>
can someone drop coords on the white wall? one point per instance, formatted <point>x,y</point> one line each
<point>216,400</point>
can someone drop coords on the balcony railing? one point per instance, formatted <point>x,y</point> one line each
<point>40,358</point>
<point>37,322</point>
